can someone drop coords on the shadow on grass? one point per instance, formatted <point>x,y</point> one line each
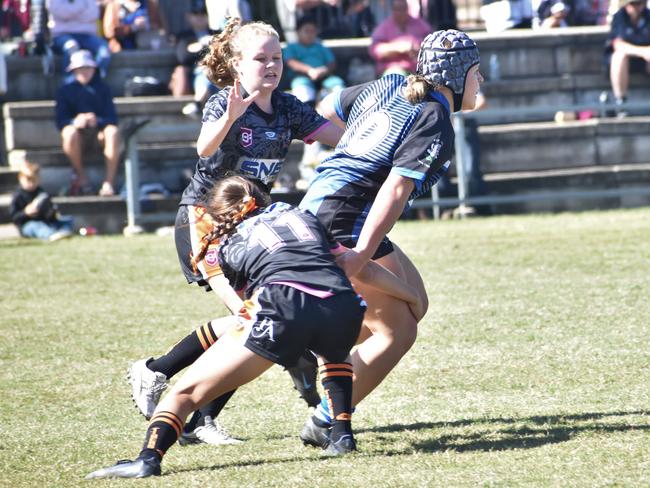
<point>530,432</point>
<point>496,434</point>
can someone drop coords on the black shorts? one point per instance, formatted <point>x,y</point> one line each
<point>192,223</point>
<point>284,321</point>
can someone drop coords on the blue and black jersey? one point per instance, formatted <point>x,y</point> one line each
<point>384,133</point>
<point>281,244</point>
<point>257,143</point>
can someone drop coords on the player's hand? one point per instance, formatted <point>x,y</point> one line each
<point>31,209</point>
<point>351,261</point>
<point>237,105</point>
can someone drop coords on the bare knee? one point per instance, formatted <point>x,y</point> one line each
<point>70,135</point>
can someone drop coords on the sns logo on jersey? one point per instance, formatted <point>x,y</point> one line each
<point>246,137</point>
<point>265,170</point>
<point>211,258</point>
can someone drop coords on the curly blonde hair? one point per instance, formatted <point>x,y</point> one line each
<point>227,46</point>
<point>229,202</point>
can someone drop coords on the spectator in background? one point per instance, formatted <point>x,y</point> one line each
<point>14,18</point>
<point>220,11</point>
<point>396,41</point>
<point>32,210</point>
<point>339,18</point>
<point>550,14</point>
<point>628,47</point>
<point>501,15</point>
<point>189,76</point>
<point>122,21</point>
<point>311,71</point>
<point>85,111</point>
<point>73,26</point>
<point>311,64</point>
<point>441,14</point>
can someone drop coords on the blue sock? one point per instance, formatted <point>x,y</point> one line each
<point>322,412</point>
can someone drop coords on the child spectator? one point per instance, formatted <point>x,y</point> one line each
<point>550,14</point>
<point>311,67</point>
<point>122,21</point>
<point>396,41</point>
<point>85,110</point>
<point>33,211</point>
<point>311,64</point>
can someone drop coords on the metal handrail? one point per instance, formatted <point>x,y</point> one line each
<point>462,201</point>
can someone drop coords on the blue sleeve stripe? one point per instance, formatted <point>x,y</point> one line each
<point>409,173</point>
<point>337,106</point>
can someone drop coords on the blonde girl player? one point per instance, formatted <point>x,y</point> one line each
<point>281,257</point>
<point>398,142</point>
<point>247,129</point>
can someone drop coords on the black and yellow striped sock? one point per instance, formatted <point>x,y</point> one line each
<point>337,384</point>
<point>185,352</point>
<point>164,429</point>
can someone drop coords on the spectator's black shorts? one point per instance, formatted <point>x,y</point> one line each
<point>284,321</point>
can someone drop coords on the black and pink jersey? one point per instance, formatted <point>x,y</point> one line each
<point>282,244</point>
<point>257,143</point>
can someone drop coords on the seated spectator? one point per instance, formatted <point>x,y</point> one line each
<point>311,64</point>
<point>85,111</point>
<point>219,12</point>
<point>501,15</point>
<point>338,19</point>
<point>122,21</point>
<point>33,211</point>
<point>73,26</point>
<point>189,76</point>
<point>14,18</point>
<point>550,14</point>
<point>396,41</point>
<point>628,47</point>
<point>311,71</point>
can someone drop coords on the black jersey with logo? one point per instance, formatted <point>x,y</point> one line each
<point>281,243</point>
<point>257,143</point>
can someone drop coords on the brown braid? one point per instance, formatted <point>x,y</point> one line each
<point>230,201</point>
<point>227,46</point>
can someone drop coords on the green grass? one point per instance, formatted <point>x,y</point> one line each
<point>531,367</point>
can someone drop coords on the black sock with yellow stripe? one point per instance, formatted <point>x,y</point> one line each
<point>185,352</point>
<point>337,384</point>
<point>164,429</point>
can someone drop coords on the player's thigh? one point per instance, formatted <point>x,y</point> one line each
<point>386,314</point>
<point>226,365</point>
<point>411,274</point>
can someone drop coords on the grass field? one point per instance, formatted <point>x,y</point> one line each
<point>532,367</point>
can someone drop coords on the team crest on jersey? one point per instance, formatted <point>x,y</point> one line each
<point>246,137</point>
<point>211,258</point>
<point>270,135</point>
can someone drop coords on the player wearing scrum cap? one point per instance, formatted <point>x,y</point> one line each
<point>398,142</point>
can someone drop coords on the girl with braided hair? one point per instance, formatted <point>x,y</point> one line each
<point>247,129</point>
<point>282,259</point>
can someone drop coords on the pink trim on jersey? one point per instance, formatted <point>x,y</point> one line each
<point>305,289</point>
<point>310,137</point>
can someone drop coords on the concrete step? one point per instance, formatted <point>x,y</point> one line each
<point>23,120</point>
<point>109,214</point>
<point>549,145</point>
<point>8,180</point>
